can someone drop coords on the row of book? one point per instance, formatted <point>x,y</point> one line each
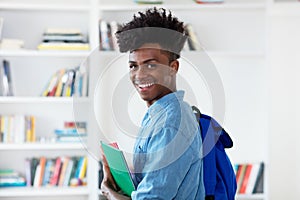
<point>6,87</point>
<point>108,40</point>
<point>59,171</point>
<point>11,178</point>
<point>250,178</point>
<point>63,39</point>
<point>68,82</point>
<point>17,129</point>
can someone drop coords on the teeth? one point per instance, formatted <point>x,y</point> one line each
<point>145,85</point>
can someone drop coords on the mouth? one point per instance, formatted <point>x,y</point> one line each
<point>144,86</point>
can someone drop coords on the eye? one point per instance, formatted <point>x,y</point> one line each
<point>151,65</point>
<point>133,67</point>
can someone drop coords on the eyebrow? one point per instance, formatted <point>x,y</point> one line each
<point>145,61</point>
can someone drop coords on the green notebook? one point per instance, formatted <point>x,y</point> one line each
<point>118,168</point>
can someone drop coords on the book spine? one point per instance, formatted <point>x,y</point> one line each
<point>56,172</point>
<point>245,179</point>
<point>28,171</point>
<point>63,171</point>
<point>42,170</point>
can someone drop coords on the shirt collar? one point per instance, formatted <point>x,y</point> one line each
<point>163,102</point>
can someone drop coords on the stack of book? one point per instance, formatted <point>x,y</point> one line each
<point>10,178</point>
<point>250,178</point>
<point>17,129</point>
<point>67,83</point>
<point>72,132</point>
<point>59,171</point>
<point>63,39</point>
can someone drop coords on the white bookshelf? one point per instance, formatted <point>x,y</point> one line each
<point>233,34</point>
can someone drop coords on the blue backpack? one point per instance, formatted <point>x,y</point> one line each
<point>219,177</point>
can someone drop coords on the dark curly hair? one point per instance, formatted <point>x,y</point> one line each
<point>153,26</point>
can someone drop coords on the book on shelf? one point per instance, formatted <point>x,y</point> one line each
<point>192,40</point>
<point>245,179</point>
<point>63,39</point>
<point>17,128</point>
<point>64,46</point>
<point>71,132</point>
<point>67,83</point>
<point>6,83</point>
<point>11,178</point>
<point>249,177</point>
<point>107,38</point>
<point>49,168</point>
<point>58,171</point>
<point>65,162</point>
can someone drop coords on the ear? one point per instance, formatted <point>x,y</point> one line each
<point>174,67</point>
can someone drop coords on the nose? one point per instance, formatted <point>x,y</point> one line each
<point>140,72</point>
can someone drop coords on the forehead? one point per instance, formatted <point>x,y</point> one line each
<point>147,52</point>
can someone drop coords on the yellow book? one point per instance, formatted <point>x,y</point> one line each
<point>32,119</point>
<point>60,83</point>
<point>83,168</point>
<point>28,129</point>
<point>63,46</point>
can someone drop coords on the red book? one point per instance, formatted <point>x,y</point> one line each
<point>245,179</point>
<point>56,172</point>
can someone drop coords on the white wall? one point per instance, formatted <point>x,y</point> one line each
<point>284,136</point>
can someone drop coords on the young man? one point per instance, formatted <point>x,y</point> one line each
<point>167,153</point>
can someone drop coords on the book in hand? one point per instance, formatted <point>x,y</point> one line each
<point>118,168</point>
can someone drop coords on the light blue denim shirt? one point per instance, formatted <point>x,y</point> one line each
<point>168,152</point>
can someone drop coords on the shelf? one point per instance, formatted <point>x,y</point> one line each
<point>180,5</point>
<point>42,146</point>
<point>41,191</point>
<point>251,196</point>
<point>37,53</point>
<point>17,100</point>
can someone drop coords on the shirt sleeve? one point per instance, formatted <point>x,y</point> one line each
<point>169,161</point>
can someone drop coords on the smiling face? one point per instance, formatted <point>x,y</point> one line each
<point>152,73</point>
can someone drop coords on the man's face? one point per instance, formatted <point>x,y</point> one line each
<point>151,72</point>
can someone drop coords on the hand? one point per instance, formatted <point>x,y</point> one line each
<point>111,194</point>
